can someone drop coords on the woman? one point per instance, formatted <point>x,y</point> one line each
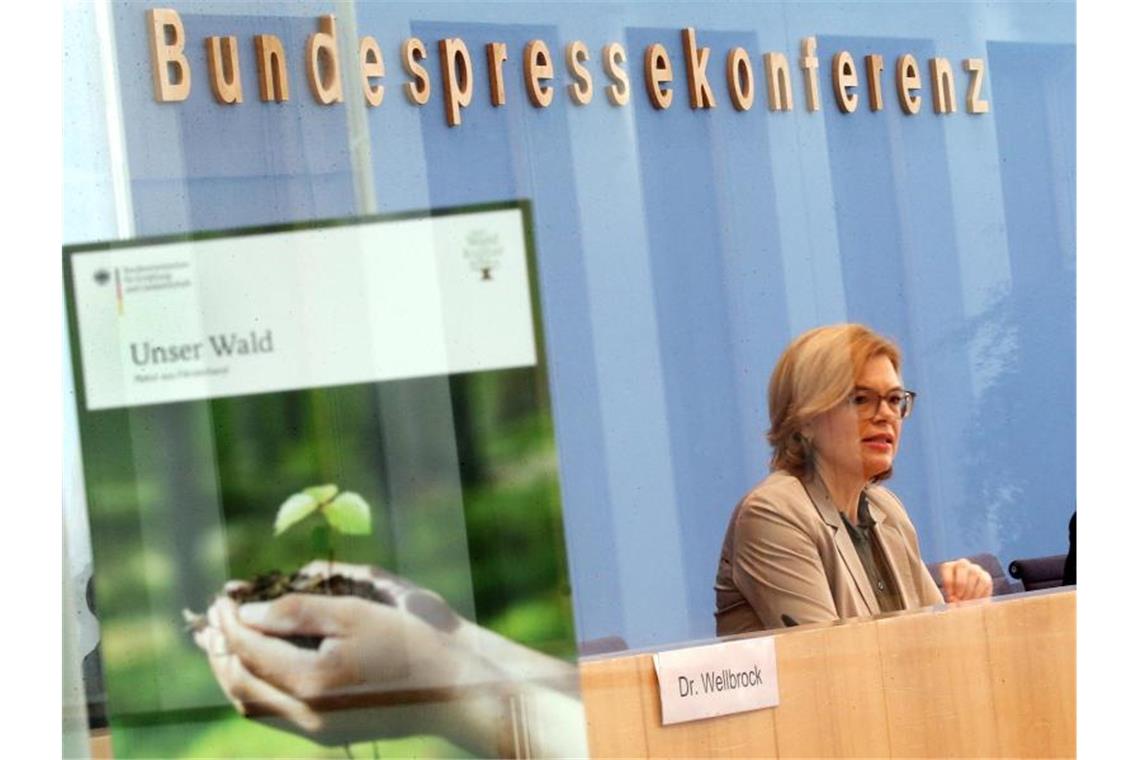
<point>820,539</point>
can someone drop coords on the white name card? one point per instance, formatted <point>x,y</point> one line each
<point>720,679</point>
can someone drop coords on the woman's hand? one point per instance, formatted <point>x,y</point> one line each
<point>962,580</point>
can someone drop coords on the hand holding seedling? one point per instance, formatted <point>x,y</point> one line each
<point>408,666</point>
<point>392,660</point>
<point>345,513</point>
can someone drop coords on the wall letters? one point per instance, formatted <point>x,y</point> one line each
<point>171,69</point>
<point>322,64</point>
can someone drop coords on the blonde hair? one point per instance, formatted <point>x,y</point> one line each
<point>815,374</point>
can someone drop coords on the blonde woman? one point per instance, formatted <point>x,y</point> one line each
<point>820,538</point>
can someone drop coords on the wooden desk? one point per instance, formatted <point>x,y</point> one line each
<point>993,678</point>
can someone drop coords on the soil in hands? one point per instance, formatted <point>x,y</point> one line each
<point>275,584</point>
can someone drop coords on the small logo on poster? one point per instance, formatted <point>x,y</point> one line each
<point>482,250</point>
<point>103,277</point>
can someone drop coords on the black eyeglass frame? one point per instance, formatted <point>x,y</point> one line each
<point>906,406</point>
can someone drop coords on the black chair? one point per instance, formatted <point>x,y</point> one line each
<point>1039,572</point>
<point>603,645</point>
<point>989,563</point>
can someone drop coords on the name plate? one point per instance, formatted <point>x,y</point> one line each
<point>720,679</point>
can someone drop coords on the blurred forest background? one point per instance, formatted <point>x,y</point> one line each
<point>461,475</point>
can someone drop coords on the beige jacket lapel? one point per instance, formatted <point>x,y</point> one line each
<point>817,492</point>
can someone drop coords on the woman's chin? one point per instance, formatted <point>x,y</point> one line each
<point>877,466</point>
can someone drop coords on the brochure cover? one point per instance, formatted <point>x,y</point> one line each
<point>353,414</point>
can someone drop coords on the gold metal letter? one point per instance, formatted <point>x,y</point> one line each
<point>741,89</point>
<point>843,76</point>
<point>536,67</point>
<point>455,63</point>
<point>942,80</point>
<point>411,52</point>
<point>496,54</point>
<point>906,80</point>
<point>582,88</point>
<point>810,64</point>
<point>658,71</point>
<point>167,58</point>
<point>613,56</point>
<point>272,78</point>
<point>974,102</point>
<point>371,65</point>
<point>324,81</point>
<point>696,64</point>
<point>874,64</point>
<point>225,74</point>
<point>779,82</point>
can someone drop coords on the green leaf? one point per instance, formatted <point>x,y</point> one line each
<point>349,513</point>
<point>295,509</point>
<point>323,494</point>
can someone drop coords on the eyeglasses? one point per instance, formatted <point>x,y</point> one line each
<point>866,402</point>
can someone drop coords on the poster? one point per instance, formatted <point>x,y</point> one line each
<point>398,360</point>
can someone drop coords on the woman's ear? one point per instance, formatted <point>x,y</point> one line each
<point>807,432</point>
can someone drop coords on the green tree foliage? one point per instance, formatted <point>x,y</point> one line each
<point>183,497</point>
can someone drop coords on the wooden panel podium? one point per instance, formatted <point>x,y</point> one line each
<point>990,678</point>
<point>995,678</point>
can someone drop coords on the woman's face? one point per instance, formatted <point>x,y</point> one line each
<point>855,440</point>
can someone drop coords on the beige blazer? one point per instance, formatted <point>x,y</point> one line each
<point>786,552</point>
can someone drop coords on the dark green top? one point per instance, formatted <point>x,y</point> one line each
<point>873,559</point>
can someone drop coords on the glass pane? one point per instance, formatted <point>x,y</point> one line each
<point>675,252</point>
